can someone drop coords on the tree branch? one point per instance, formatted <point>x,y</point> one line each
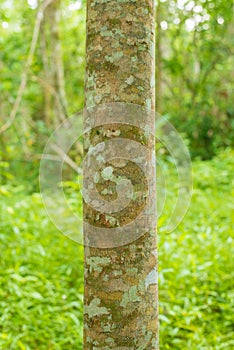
<point>65,158</point>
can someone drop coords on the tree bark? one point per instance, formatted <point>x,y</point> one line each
<point>120,293</point>
<point>55,110</point>
<point>46,75</point>
<point>158,59</point>
<point>57,61</point>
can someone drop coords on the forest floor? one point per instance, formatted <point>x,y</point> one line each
<point>41,277</point>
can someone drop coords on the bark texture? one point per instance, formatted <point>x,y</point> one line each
<point>120,297</point>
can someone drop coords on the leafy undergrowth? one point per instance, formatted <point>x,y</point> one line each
<point>41,283</point>
<point>196,264</point>
<point>41,277</point>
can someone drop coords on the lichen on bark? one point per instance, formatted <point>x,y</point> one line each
<point>120,297</point>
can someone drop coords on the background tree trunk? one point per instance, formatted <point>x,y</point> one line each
<point>55,109</point>
<point>120,297</point>
<point>158,59</point>
<point>46,75</point>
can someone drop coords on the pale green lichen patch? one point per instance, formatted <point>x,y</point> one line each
<point>115,57</point>
<point>130,296</point>
<point>132,271</point>
<point>148,105</point>
<point>90,82</point>
<point>147,131</point>
<point>151,278</point>
<point>106,327</point>
<point>130,80</point>
<point>115,45</point>
<point>113,221</point>
<point>105,278</point>
<point>97,263</point>
<point>107,173</point>
<point>106,191</point>
<point>107,33</point>
<point>96,177</point>
<point>142,11</point>
<point>90,99</point>
<point>134,59</point>
<point>152,50</point>
<point>100,159</point>
<point>117,273</point>
<point>145,341</point>
<point>93,309</point>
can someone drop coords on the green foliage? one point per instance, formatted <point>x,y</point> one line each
<point>196,264</point>
<point>196,72</point>
<point>41,278</point>
<point>24,141</point>
<point>196,77</point>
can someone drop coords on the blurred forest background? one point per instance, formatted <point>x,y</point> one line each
<point>42,68</point>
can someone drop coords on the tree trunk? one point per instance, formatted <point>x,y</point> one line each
<point>46,75</point>
<point>120,296</point>
<point>55,110</point>
<point>158,60</point>
<point>57,61</point>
